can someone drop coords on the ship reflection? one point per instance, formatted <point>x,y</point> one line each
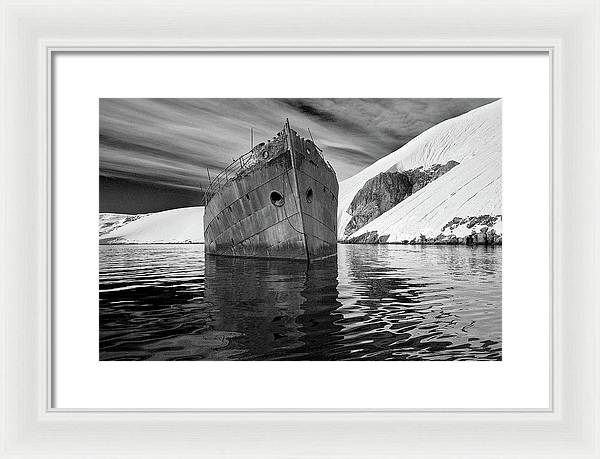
<point>274,309</point>
<point>373,303</point>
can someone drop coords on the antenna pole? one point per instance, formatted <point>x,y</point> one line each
<point>286,127</point>
<point>209,180</point>
<point>313,140</point>
<point>251,138</point>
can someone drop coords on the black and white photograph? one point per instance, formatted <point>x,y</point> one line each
<point>300,229</point>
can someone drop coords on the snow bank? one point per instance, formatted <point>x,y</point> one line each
<point>472,188</point>
<point>184,225</point>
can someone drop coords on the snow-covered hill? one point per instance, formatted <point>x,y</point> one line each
<point>472,188</point>
<point>185,225</point>
<point>110,222</point>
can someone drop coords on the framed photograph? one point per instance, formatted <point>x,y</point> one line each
<point>270,267</point>
<point>297,229</point>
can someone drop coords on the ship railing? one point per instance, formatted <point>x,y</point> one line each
<point>223,177</point>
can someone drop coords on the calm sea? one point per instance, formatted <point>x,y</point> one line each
<point>375,302</point>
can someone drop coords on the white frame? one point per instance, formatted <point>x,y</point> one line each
<point>569,30</point>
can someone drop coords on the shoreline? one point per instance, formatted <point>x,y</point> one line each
<point>498,244</point>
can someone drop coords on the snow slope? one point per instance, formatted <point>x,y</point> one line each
<point>185,225</point>
<point>472,188</point>
<point>110,222</point>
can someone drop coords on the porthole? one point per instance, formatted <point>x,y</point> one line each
<point>277,199</point>
<point>309,195</point>
<point>265,154</point>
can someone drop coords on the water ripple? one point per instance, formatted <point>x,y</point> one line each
<point>390,302</point>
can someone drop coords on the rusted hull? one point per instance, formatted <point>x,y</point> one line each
<point>244,220</point>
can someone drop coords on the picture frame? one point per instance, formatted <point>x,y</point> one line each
<point>34,32</point>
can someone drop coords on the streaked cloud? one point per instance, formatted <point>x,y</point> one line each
<point>171,142</point>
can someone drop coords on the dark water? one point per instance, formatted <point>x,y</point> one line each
<point>375,302</point>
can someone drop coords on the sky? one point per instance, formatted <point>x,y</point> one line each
<point>154,153</point>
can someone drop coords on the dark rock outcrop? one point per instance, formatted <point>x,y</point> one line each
<point>377,196</point>
<point>420,177</point>
<point>485,236</point>
<point>385,190</point>
<point>470,222</point>
<point>371,237</point>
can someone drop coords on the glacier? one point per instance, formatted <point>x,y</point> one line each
<point>175,226</point>
<point>472,188</point>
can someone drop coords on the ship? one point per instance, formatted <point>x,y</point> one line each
<point>278,201</point>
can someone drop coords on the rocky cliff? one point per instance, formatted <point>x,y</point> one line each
<point>387,189</point>
<point>377,196</point>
